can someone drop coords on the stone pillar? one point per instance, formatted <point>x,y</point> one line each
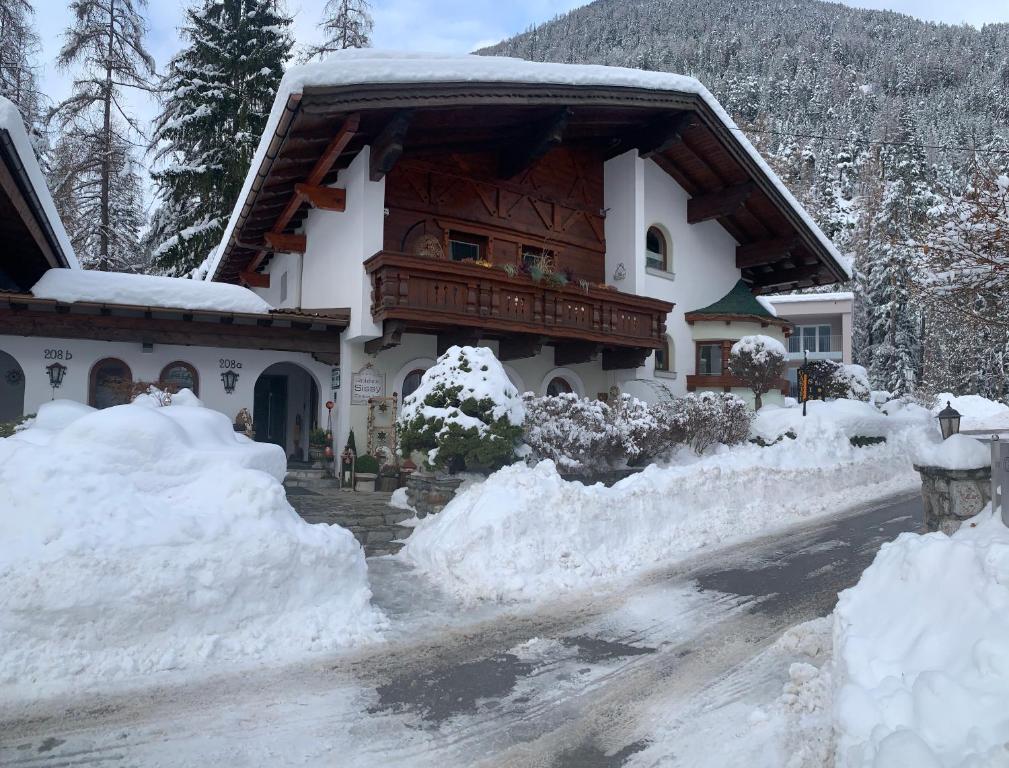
<point>951,496</point>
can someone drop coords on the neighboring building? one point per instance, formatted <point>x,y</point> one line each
<point>413,191</point>
<point>95,334</point>
<point>820,327</point>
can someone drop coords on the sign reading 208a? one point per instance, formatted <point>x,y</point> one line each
<point>57,354</point>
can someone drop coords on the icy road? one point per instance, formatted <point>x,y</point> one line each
<point>665,670</point>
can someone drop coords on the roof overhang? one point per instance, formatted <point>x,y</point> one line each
<point>779,247</point>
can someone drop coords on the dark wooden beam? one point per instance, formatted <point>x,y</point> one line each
<point>624,357</point>
<point>572,352</point>
<point>278,241</point>
<point>323,198</point>
<point>519,346</point>
<point>527,151</point>
<point>458,337</point>
<point>765,252</point>
<point>786,276</point>
<point>657,137</point>
<point>387,147</point>
<point>714,205</point>
<point>392,335</point>
<point>254,279</point>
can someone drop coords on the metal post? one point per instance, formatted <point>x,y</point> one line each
<point>999,476</point>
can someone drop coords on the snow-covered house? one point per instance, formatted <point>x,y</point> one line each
<point>90,336</point>
<point>820,325</point>
<point>579,220</point>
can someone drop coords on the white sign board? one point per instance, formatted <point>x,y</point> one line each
<point>366,383</point>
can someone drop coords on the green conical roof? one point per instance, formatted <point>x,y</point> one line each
<point>738,301</point>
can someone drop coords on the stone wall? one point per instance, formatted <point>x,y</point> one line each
<point>430,493</point>
<point>951,496</point>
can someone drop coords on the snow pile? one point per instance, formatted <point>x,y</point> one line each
<point>850,418</point>
<point>760,347</point>
<point>976,412</point>
<point>140,538</point>
<point>70,285</point>
<point>922,653</point>
<point>10,121</point>
<point>956,452</point>
<point>526,532</point>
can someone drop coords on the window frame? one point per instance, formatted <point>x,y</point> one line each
<point>480,242</point>
<point>666,351</point>
<point>93,379</point>
<point>162,378</point>
<point>664,253</point>
<point>718,345</point>
<point>404,394</point>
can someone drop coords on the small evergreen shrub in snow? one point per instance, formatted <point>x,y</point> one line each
<point>709,418</point>
<point>759,362</point>
<point>465,415</point>
<point>838,381</point>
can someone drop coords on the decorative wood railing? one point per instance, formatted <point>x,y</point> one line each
<point>723,381</point>
<point>428,292</point>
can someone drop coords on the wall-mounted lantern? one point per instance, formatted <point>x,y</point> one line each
<point>56,373</point>
<point>230,379</point>
<point>949,421</point>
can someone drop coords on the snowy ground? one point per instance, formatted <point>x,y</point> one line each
<point>677,668</point>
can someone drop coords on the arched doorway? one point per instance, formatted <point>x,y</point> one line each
<point>286,408</point>
<point>111,383</point>
<point>12,389</point>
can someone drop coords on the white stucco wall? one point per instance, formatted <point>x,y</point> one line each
<point>339,243</point>
<point>283,268</point>
<point>209,362</point>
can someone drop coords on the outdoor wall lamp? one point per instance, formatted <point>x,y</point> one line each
<point>949,421</point>
<point>56,373</point>
<point>230,378</point>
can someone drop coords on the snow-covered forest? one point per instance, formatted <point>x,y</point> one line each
<point>886,127</point>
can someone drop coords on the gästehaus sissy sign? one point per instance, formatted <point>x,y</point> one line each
<point>366,383</point>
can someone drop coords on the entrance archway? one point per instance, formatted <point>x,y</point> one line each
<point>12,388</point>
<point>286,408</point>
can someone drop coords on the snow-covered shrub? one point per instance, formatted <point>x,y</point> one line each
<point>758,361</point>
<point>709,418</point>
<point>465,415</point>
<point>581,435</point>
<point>839,381</point>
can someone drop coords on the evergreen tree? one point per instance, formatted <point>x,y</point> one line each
<point>19,44</point>
<point>345,24</point>
<point>217,95</point>
<point>107,41</point>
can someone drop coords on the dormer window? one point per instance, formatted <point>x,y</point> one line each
<point>656,250</point>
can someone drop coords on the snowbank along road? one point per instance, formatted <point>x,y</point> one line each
<point>574,683</point>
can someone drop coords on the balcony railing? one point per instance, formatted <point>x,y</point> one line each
<point>815,345</point>
<point>429,292</point>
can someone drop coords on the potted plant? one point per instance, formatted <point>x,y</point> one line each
<point>388,478</point>
<point>366,471</point>
<point>317,445</point>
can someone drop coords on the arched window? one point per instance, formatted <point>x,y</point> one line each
<point>412,381</point>
<point>656,249</point>
<point>181,376</point>
<point>558,386</point>
<point>664,356</point>
<point>111,383</point>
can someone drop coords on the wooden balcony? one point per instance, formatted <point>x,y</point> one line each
<point>428,295</point>
<point>723,381</point>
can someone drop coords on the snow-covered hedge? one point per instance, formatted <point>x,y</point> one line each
<point>141,538</point>
<point>921,653</point>
<point>840,381</point>
<point>465,415</point>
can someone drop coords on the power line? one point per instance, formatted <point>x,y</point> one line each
<point>874,142</point>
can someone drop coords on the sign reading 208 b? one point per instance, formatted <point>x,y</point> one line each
<point>366,383</point>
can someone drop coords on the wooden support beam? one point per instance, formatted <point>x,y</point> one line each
<point>786,276</point>
<point>254,279</point>
<point>621,358</point>
<point>765,252</point>
<point>524,153</point>
<point>714,205</point>
<point>387,147</point>
<point>278,241</point>
<point>323,198</point>
<point>572,352</point>
<point>458,337</point>
<point>392,335</point>
<point>519,346</point>
<point>663,134</point>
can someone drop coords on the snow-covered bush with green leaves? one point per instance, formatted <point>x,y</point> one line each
<point>465,415</point>
<point>839,381</point>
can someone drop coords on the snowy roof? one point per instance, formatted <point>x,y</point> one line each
<point>70,286</point>
<point>739,301</point>
<point>792,298</point>
<point>375,67</point>
<point>13,126</point>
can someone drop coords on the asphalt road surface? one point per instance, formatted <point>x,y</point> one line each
<point>571,683</point>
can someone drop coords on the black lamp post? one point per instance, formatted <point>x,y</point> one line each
<point>230,378</point>
<point>56,373</point>
<point>949,421</point>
